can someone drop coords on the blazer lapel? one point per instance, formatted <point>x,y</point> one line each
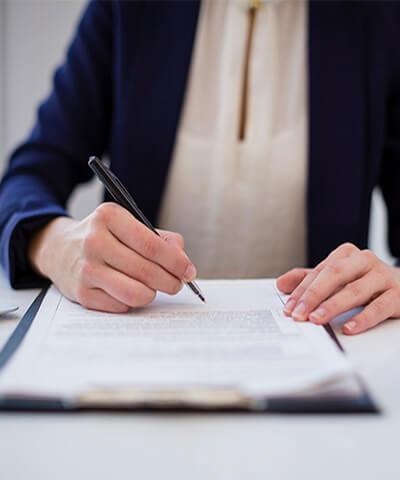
<point>154,88</point>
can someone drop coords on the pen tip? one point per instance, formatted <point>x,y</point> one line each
<point>202,298</point>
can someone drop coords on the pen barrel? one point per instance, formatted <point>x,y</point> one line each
<point>118,192</point>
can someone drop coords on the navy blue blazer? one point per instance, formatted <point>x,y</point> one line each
<point>120,93</point>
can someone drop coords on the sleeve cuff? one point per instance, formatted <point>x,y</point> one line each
<point>14,244</point>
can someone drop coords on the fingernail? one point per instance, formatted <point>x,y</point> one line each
<point>190,273</point>
<point>299,311</point>
<point>289,306</point>
<point>317,315</point>
<point>350,326</point>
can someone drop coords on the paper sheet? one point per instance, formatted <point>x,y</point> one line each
<point>239,339</point>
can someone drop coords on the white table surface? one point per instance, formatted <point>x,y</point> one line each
<point>201,446</point>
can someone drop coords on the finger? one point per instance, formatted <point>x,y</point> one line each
<point>119,257</point>
<point>291,303</point>
<point>353,295</point>
<point>334,275</point>
<point>138,237</point>
<point>123,288</point>
<point>173,238</point>
<point>96,299</point>
<point>341,252</point>
<point>287,282</point>
<point>376,312</point>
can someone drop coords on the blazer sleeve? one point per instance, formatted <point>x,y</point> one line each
<point>390,171</point>
<point>72,123</point>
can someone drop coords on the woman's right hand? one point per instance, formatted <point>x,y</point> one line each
<point>110,261</point>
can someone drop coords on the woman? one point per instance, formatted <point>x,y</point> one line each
<point>258,130</point>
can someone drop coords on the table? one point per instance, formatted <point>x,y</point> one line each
<point>207,447</point>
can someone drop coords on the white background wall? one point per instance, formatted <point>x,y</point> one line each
<point>33,38</point>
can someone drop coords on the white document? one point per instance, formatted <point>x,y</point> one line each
<point>239,340</point>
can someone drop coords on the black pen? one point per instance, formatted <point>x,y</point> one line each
<point>121,195</point>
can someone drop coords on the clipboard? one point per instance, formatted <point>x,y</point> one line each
<point>230,401</point>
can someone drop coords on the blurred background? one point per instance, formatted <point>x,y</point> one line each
<point>33,37</point>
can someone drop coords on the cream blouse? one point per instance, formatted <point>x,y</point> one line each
<point>240,203</point>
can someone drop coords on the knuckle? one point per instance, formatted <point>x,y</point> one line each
<point>312,294</point>
<point>348,248</point>
<point>377,308</point>
<point>91,243</point>
<point>180,239</point>
<point>369,256</point>
<point>354,290</point>
<point>319,268</point>
<point>335,268</point>
<point>150,247</point>
<point>126,295</point>
<point>298,293</point>
<point>104,212</point>
<point>331,307</point>
<point>179,263</point>
<point>386,279</point>
<point>128,291</point>
<point>135,227</point>
<point>145,274</point>
<point>86,272</point>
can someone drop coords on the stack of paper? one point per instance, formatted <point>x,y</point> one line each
<point>236,348</point>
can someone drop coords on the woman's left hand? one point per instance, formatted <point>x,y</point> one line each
<point>347,278</point>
